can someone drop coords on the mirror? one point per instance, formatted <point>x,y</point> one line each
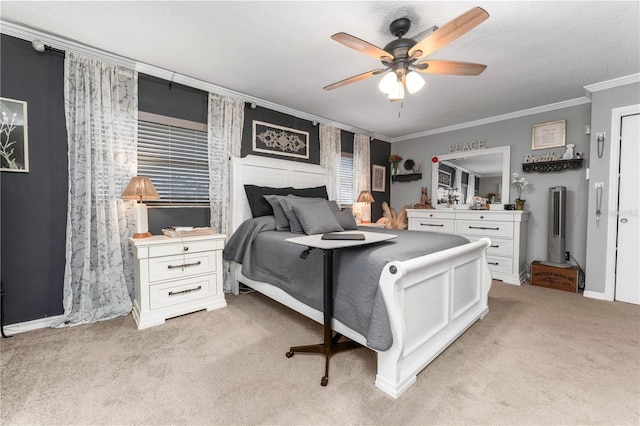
<point>457,177</point>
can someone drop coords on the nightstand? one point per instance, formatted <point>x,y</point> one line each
<point>176,276</point>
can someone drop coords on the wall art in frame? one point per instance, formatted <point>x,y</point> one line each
<point>378,178</point>
<point>278,140</point>
<point>444,178</point>
<point>14,147</point>
<point>551,134</point>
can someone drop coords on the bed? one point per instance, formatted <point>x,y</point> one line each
<point>429,300</point>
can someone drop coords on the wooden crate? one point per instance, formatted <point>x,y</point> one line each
<point>554,277</point>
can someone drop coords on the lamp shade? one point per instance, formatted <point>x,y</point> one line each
<point>397,91</point>
<point>414,82</point>
<point>387,82</point>
<point>140,188</point>
<point>365,197</point>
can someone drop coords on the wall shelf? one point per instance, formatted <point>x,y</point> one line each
<point>552,166</point>
<point>406,177</point>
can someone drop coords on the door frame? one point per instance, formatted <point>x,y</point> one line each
<point>612,203</point>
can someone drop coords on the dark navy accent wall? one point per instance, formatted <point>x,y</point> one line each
<point>278,118</point>
<point>34,205</point>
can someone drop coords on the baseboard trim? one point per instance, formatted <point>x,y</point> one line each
<point>596,295</point>
<point>36,324</point>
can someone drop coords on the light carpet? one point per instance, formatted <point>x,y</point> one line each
<point>541,356</point>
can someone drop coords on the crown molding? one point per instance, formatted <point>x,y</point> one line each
<point>610,84</point>
<point>30,34</point>
<point>497,118</point>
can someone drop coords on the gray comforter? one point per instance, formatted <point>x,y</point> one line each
<point>266,256</point>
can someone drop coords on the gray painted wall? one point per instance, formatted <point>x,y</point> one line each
<point>516,133</point>
<point>602,104</point>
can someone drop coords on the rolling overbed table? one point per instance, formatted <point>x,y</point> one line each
<point>331,345</point>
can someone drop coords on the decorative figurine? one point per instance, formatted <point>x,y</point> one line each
<point>568,155</point>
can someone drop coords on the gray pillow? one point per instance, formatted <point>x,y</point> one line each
<point>346,220</point>
<point>317,218</point>
<point>282,222</point>
<point>287,204</point>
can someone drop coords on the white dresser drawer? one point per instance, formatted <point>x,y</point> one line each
<point>182,247</point>
<point>430,214</point>
<point>500,264</point>
<point>174,267</point>
<point>172,293</point>
<point>485,228</point>
<point>433,225</point>
<point>493,216</point>
<point>498,247</point>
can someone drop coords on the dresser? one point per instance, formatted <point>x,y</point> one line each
<point>507,229</point>
<point>176,276</point>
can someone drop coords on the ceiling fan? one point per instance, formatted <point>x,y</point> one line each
<point>400,55</point>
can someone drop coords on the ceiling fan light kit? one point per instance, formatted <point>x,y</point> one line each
<point>399,56</point>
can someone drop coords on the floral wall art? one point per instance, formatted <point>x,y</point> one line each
<point>278,140</point>
<point>14,153</point>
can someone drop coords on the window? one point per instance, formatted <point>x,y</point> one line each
<point>173,153</point>
<point>345,194</point>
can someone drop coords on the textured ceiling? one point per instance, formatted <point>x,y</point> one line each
<point>537,53</point>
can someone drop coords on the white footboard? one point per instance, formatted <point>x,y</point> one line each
<point>431,301</point>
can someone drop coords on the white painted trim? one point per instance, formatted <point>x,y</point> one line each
<point>488,120</point>
<point>609,84</point>
<point>595,295</point>
<point>612,203</point>
<point>30,34</point>
<point>36,324</point>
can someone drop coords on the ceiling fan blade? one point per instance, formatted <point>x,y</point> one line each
<point>449,67</point>
<point>355,78</point>
<point>449,32</point>
<point>360,45</point>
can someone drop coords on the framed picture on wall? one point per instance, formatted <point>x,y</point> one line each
<point>444,178</point>
<point>548,135</point>
<point>278,140</point>
<point>14,147</point>
<point>378,178</point>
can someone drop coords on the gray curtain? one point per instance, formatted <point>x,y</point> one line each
<point>226,120</point>
<point>101,104</point>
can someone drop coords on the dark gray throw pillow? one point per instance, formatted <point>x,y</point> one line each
<point>282,222</point>
<point>258,204</point>
<point>287,204</point>
<point>346,220</point>
<point>316,218</point>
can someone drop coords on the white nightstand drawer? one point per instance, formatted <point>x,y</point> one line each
<point>485,229</point>
<point>171,293</point>
<point>172,267</point>
<point>433,225</point>
<point>500,264</point>
<point>181,247</point>
<point>498,246</point>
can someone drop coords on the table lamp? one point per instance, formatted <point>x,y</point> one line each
<point>140,188</point>
<point>367,198</point>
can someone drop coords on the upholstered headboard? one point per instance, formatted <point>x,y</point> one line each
<point>265,171</point>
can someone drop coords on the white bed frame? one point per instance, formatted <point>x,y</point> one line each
<point>431,300</point>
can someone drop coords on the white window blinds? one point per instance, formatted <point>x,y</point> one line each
<point>173,154</point>
<point>345,193</point>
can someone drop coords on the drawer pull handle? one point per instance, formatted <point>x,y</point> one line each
<point>495,246</point>
<point>484,227</point>
<point>174,293</point>
<point>185,248</point>
<point>430,224</point>
<point>493,263</point>
<point>184,265</point>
